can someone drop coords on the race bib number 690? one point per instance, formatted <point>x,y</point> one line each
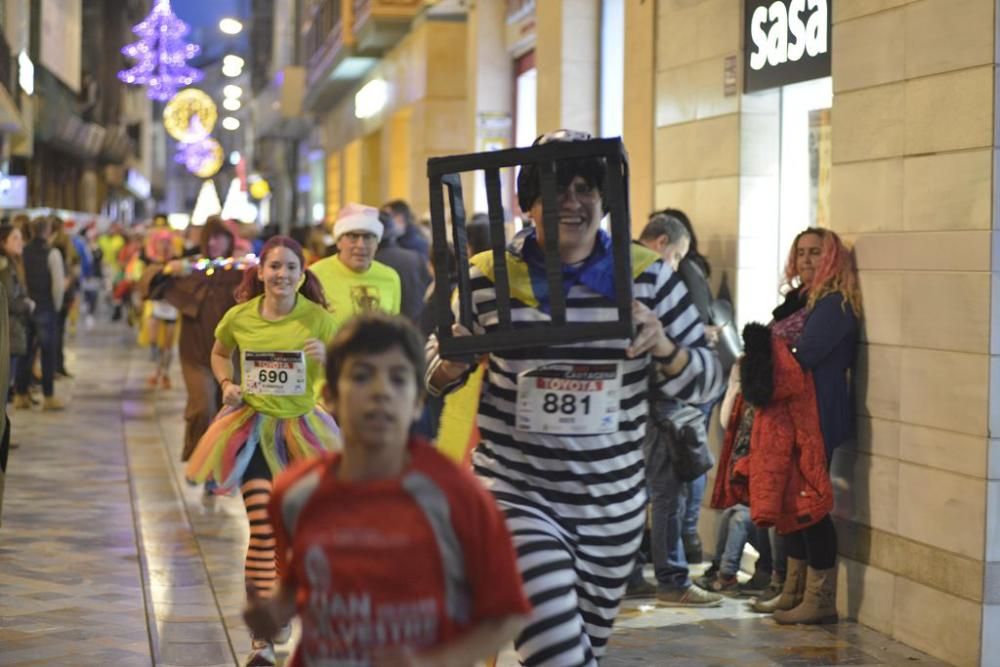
<point>274,373</point>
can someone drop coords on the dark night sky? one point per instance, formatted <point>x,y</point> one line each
<point>206,13</point>
<point>203,16</point>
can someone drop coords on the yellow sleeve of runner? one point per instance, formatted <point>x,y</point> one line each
<point>461,408</point>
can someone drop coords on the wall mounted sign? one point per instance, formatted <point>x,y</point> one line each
<point>786,41</point>
<point>13,191</point>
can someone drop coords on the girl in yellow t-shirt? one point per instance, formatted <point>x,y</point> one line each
<point>281,327</point>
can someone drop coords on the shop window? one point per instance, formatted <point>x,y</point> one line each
<point>525,110</point>
<point>784,186</point>
<point>612,67</point>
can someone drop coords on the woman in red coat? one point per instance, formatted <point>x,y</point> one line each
<point>796,407</point>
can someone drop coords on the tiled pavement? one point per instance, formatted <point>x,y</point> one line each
<point>108,558</point>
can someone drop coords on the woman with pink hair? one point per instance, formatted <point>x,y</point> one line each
<point>818,322</point>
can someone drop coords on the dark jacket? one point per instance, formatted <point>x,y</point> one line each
<point>698,288</point>
<point>37,275</point>
<point>784,476</point>
<point>4,387</point>
<point>828,348</point>
<point>413,239</point>
<point>414,276</point>
<point>17,306</point>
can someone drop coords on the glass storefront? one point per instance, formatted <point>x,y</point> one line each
<point>785,187</point>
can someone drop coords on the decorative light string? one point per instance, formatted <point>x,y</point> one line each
<point>210,266</point>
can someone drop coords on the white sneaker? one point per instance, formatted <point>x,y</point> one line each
<point>262,654</point>
<point>283,635</point>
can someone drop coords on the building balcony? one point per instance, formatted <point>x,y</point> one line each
<point>60,126</point>
<point>380,24</point>
<point>343,41</point>
<point>328,41</point>
<point>323,36</point>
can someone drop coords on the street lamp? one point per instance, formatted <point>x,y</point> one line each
<point>230,123</point>
<point>232,90</point>
<point>231,104</point>
<point>230,26</point>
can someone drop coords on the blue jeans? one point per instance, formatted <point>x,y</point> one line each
<point>694,494</point>
<point>43,332</point>
<point>666,497</point>
<point>733,533</point>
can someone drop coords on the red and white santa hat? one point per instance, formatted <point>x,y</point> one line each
<point>357,218</point>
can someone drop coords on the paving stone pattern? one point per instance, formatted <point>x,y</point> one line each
<point>107,557</point>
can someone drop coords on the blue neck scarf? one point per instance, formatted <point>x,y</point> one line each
<point>597,272</point>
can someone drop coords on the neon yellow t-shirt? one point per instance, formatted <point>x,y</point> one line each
<point>110,247</point>
<point>243,328</point>
<point>349,293</point>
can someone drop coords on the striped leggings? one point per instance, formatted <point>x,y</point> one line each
<point>260,564</point>
<point>574,582</point>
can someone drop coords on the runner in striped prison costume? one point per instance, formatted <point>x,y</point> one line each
<point>575,503</point>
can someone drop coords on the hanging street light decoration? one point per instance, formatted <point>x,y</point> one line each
<point>190,115</point>
<point>202,158</point>
<point>161,54</point>
<point>259,188</point>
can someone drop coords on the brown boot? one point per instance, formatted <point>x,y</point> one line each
<point>791,594</point>
<point>22,402</point>
<point>53,403</point>
<point>819,605</point>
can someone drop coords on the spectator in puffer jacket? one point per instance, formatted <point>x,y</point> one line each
<point>813,341</point>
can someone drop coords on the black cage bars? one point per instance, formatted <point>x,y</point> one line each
<point>444,174</point>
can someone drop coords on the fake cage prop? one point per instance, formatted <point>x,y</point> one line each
<point>444,174</point>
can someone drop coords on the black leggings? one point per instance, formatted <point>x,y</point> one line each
<point>816,544</point>
<point>257,468</point>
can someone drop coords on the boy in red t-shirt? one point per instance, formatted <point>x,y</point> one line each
<point>390,554</point>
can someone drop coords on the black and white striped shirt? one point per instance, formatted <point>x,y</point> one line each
<point>584,480</point>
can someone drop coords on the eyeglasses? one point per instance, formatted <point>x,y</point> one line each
<point>583,191</point>
<point>354,237</point>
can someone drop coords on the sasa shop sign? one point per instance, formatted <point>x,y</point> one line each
<point>786,41</point>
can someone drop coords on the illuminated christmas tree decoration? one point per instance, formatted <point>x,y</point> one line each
<point>237,206</point>
<point>207,204</point>
<point>161,54</point>
<point>190,115</point>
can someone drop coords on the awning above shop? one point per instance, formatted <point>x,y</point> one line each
<point>10,115</point>
<point>71,134</point>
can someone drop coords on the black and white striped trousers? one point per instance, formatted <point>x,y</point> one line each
<point>574,578</point>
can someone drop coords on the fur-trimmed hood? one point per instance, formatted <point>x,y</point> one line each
<point>769,371</point>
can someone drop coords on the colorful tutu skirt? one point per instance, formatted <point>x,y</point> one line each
<point>224,452</point>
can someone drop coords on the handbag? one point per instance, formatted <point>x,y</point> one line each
<point>730,344</point>
<point>680,428</point>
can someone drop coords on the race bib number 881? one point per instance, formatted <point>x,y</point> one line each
<point>274,373</point>
<point>569,399</point>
